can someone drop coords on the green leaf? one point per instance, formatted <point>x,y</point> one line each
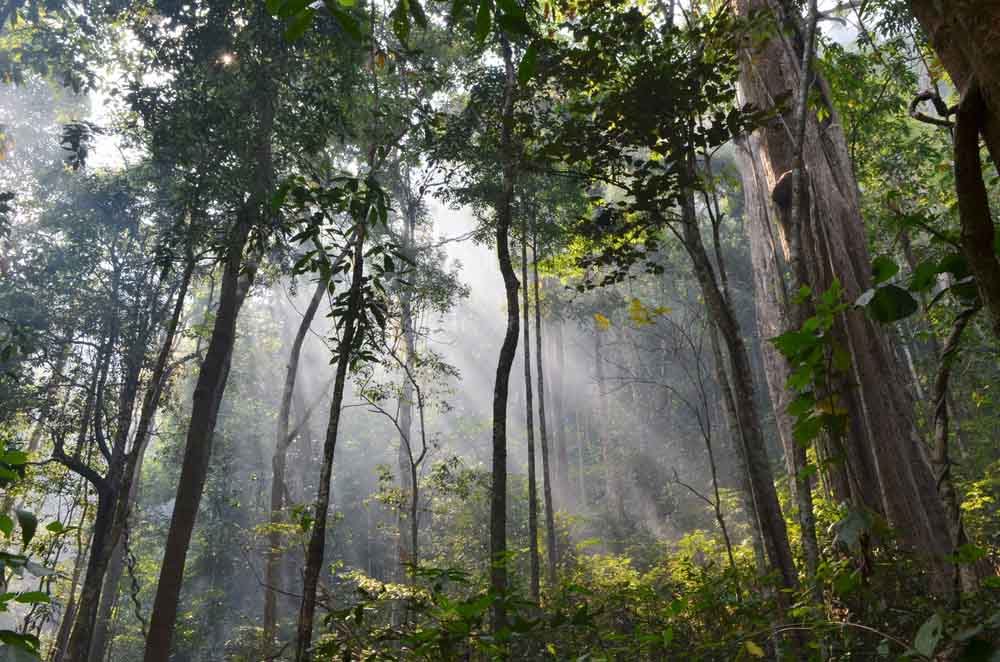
<point>924,276</point>
<point>954,264</point>
<point>529,61</point>
<point>56,527</point>
<point>14,458</point>
<point>929,635</point>
<point>890,303</point>
<point>33,598</point>
<point>6,525</point>
<point>29,524</point>
<point>883,268</point>
<point>299,25</point>
<point>418,14</point>
<point>348,23</point>
<point>401,21</point>
<point>484,19</point>
<point>287,8</point>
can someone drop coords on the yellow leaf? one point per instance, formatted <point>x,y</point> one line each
<point>638,313</point>
<point>603,323</point>
<point>754,649</point>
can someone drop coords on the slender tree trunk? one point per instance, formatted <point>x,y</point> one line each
<point>208,393</point>
<point>773,530</point>
<point>550,518</point>
<point>272,570</point>
<point>498,500</point>
<point>529,423</point>
<point>317,539</point>
<point>966,576</point>
<point>133,467</point>
<point>735,434</point>
<point>561,431</point>
<point>58,651</point>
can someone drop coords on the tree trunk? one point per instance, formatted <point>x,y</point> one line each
<point>317,539</point>
<point>498,497</point>
<point>882,445</point>
<point>133,468</point>
<point>964,36</point>
<point>978,232</point>
<point>208,392</point>
<point>529,423</point>
<point>773,530</point>
<point>272,571</point>
<point>966,575</point>
<point>550,518</point>
<point>561,432</point>
<point>237,277</point>
<point>735,435</point>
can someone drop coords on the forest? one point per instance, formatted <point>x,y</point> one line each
<point>468,330</point>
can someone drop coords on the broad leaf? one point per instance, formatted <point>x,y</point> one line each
<point>29,524</point>
<point>889,303</point>
<point>929,635</point>
<point>883,268</point>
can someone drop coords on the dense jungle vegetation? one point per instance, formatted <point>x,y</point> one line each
<point>499,330</point>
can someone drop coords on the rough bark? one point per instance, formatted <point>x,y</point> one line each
<point>498,495</point>
<point>883,440</point>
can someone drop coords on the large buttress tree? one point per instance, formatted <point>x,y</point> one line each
<point>885,469</point>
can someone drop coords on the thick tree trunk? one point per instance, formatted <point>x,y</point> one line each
<point>550,518</point>
<point>272,570</point>
<point>317,539</point>
<point>529,424</point>
<point>978,231</point>
<point>883,441</point>
<point>498,496</point>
